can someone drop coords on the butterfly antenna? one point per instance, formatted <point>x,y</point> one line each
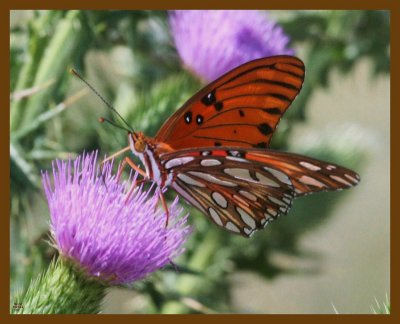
<point>130,129</point>
<point>103,119</point>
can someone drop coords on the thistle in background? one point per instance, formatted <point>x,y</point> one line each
<point>212,42</point>
<point>102,237</point>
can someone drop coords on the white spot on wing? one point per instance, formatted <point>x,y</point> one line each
<point>209,162</point>
<point>248,195</point>
<point>234,153</point>
<point>279,175</point>
<point>242,174</point>
<point>187,197</point>
<point>189,180</point>
<point>248,232</point>
<point>267,181</point>
<point>219,199</point>
<point>311,181</point>
<point>238,159</point>
<point>178,161</point>
<point>214,215</point>
<point>265,221</point>
<point>351,178</point>
<point>341,180</point>
<point>246,217</point>
<point>232,227</point>
<point>330,167</point>
<point>277,201</point>
<point>212,179</point>
<point>309,166</point>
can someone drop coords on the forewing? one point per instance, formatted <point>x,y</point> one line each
<point>242,108</point>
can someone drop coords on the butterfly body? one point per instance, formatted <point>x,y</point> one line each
<point>214,151</point>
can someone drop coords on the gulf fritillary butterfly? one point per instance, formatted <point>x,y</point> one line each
<point>214,151</point>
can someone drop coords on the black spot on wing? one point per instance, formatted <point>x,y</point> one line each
<point>209,98</point>
<point>280,96</point>
<point>261,145</point>
<point>273,111</point>
<point>218,105</point>
<point>199,119</point>
<point>188,117</point>
<point>265,129</point>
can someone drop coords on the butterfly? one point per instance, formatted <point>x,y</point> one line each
<point>214,151</point>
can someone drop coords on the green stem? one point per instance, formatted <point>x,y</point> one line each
<point>53,64</point>
<point>37,44</point>
<point>62,289</point>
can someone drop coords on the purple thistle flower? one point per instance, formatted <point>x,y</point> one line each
<point>212,42</point>
<point>116,240</point>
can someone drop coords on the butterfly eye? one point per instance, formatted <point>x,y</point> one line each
<point>140,146</point>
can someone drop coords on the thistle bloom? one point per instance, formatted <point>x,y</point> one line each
<point>110,237</point>
<point>212,42</point>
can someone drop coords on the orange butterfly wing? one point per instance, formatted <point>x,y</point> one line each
<point>242,108</point>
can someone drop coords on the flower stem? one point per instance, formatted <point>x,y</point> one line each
<point>52,65</point>
<point>62,289</point>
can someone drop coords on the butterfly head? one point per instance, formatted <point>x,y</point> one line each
<point>137,142</point>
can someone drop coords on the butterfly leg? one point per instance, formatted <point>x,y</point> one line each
<point>134,185</point>
<point>165,206</point>
<point>128,161</point>
<point>112,156</point>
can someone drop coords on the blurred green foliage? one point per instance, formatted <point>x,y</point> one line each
<point>130,58</point>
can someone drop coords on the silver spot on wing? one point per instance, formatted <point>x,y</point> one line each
<point>246,218</point>
<point>212,179</point>
<point>189,180</point>
<point>351,178</point>
<point>178,161</point>
<point>277,201</point>
<point>309,166</point>
<point>267,181</point>
<point>341,180</point>
<point>248,195</point>
<point>232,227</point>
<point>219,199</point>
<point>238,173</point>
<point>214,215</point>
<point>210,162</point>
<point>237,159</point>
<point>311,181</point>
<point>282,177</point>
